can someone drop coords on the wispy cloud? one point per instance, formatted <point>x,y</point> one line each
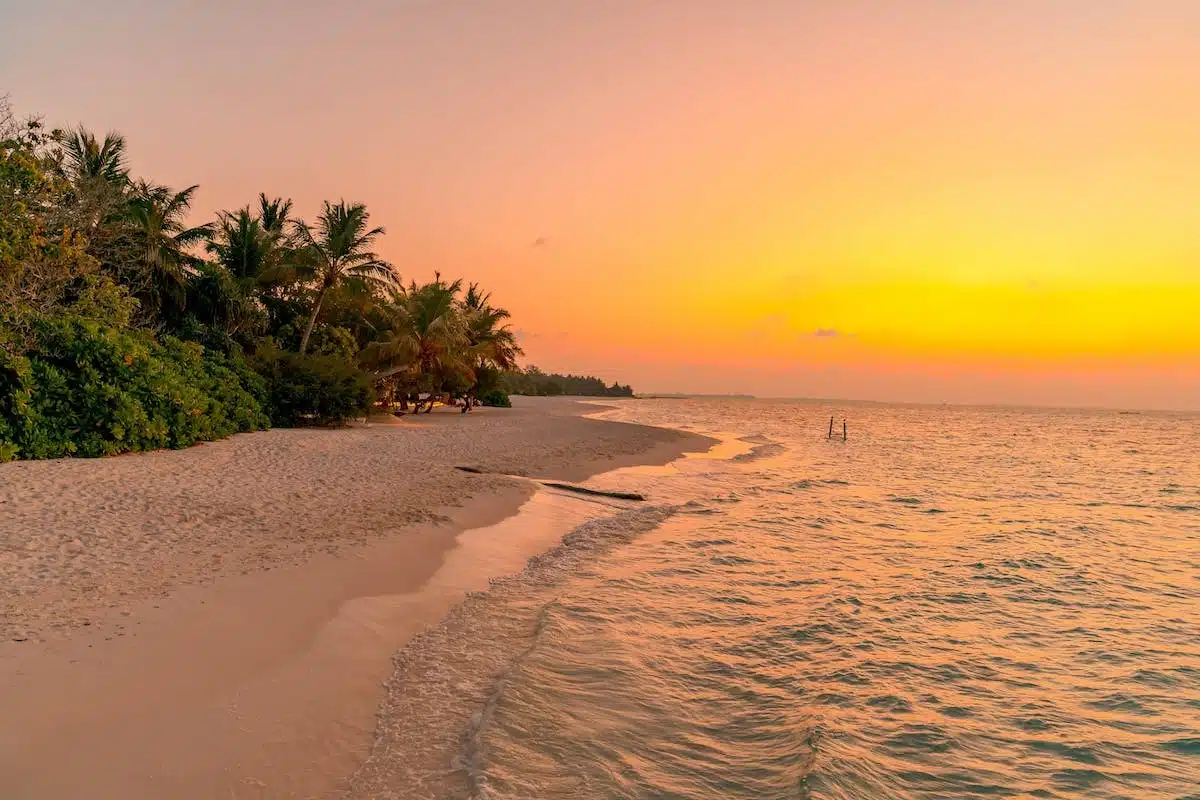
<point>826,333</point>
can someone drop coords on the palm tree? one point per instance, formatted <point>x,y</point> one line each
<point>225,290</point>
<point>339,251</point>
<point>491,343</point>
<point>163,240</point>
<point>274,213</point>
<point>426,342</point>
<point>240,243</point>
<point>281,265</point>
<point>255,249</point>
<point>84,157</point>
<point>98,175</point>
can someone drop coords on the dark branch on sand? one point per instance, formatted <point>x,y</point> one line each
<point>566,487</point>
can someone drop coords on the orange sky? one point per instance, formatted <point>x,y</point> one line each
<point>927,200</point>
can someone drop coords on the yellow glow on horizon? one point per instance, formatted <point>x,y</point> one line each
<point>1040,257</point>
<point>949,185</point>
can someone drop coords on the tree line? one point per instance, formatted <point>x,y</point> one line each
<point>124,327</point>
<point>532,381</point>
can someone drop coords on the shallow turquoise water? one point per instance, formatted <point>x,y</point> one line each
<point>952,603</point>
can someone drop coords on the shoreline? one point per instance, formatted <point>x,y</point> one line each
<point>264,680</point>
<point>427,750</point>
<point>168,514</point>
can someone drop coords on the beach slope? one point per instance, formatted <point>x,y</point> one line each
<point>209,622</point>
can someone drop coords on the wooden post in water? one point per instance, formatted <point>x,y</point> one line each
<point>843,430</point>
<point>830,428</point>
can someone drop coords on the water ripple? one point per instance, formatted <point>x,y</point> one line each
<point>953,603</point>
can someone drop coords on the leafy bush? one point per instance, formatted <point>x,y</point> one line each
<point>312,389</point>
<point>45,266</point>
<point>496,398</point>
<point>219,313</point>
<point>329,340</point>
<point>86,389</point>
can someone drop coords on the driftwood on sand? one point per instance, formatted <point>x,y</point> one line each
<point>566,487</point>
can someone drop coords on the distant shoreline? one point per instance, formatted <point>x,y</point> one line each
<point>681,396</point>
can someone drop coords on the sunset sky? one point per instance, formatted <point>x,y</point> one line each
<point>927,200</point>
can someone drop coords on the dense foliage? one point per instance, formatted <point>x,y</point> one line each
<point>497,398</point>
<point>307,388</point>
<point>83,388</point>
<point>124,326</point>
<point>532,381</point>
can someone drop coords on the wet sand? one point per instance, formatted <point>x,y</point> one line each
<point>448,678</point>
<point>219,621</point>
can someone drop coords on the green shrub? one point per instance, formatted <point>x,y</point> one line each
<point>85,389</point>
<point>329,340</point>
<point>497,398</point>
<point>312,389</point>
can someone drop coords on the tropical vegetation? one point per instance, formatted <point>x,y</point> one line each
<point>125,326</point>
<point>532,381</point>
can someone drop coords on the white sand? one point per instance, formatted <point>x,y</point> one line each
<point>217,621</point>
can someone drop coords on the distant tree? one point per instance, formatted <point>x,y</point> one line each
<point>532,381</point>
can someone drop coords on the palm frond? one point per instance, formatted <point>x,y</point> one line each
<point>274,213</point>
<point>86,158</point>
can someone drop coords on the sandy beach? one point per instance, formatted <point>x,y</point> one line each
<point>219,621</point>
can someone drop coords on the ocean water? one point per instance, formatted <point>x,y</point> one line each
<point>953,602</point>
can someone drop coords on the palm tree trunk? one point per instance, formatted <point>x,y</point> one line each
<point>312,320</point>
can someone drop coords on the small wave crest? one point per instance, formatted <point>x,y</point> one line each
<point>762,447</point>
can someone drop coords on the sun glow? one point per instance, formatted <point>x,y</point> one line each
<point>967,188</point>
